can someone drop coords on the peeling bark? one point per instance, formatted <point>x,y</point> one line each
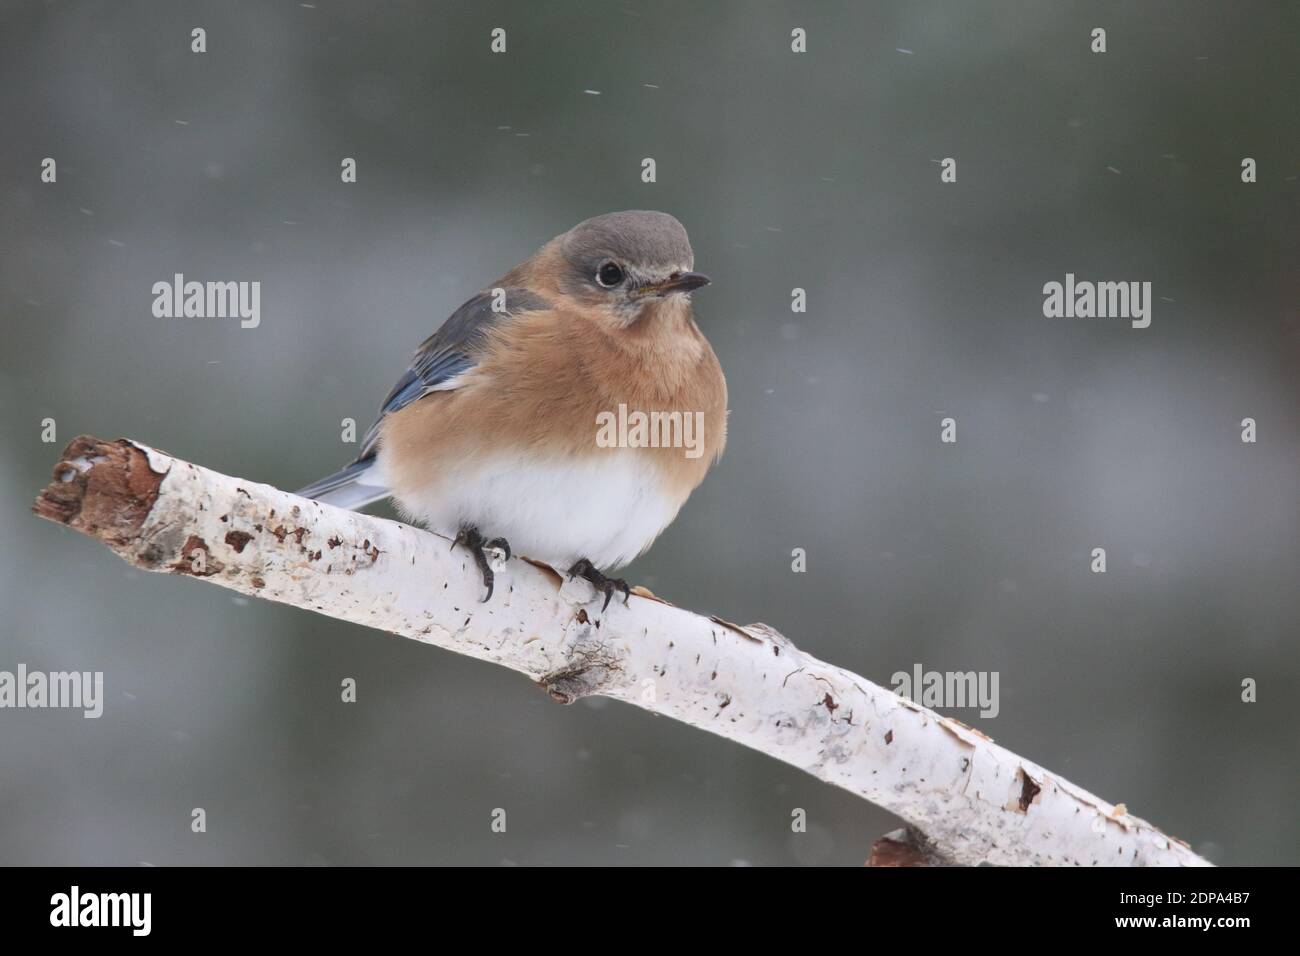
<point>905,847</point>
<point>965,799</point>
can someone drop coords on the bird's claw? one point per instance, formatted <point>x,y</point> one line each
<point>478,545</point>
<point>587,571</point>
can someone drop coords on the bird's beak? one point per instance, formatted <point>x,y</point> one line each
<point>677,282</point>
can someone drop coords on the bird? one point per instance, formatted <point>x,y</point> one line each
<point>520,425</point>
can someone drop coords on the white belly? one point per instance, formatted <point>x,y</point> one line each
<point>607,507</point>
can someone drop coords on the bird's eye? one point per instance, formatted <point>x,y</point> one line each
<point>609,274</point>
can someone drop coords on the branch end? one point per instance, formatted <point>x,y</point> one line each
<point>102,489</point>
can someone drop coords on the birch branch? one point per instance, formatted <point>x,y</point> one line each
<point>965,799</point>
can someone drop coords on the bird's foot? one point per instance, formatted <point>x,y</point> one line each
<point>587,571</point>
<point>471,538</point>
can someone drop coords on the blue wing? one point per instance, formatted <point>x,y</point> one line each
<point>449,352</point>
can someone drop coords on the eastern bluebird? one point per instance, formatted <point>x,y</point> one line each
<point>503,424</point>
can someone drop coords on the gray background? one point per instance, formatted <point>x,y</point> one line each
<point>815,170</point>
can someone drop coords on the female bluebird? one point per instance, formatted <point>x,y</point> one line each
<point>494,436</point>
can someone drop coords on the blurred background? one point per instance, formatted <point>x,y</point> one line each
<point>816,170</point>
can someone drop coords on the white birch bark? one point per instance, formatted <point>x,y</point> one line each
<point>966,799</point>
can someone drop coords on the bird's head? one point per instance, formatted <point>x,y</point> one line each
<point>629,265</point>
